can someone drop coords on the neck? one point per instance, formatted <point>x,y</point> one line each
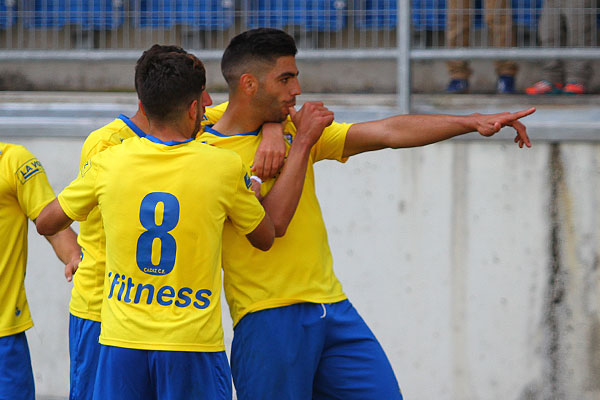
<point>140,120</point>
<point>167,132</point>
<point>239,117</point>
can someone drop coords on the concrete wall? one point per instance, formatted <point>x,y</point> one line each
<point>475,264</point>
<point>319,76</point>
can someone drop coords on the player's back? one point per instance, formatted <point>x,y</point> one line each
<point>185,188</point>
<point>163,206</point>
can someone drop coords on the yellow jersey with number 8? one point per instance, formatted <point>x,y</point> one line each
<point>163,205</point>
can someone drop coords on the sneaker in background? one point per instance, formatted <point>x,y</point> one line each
<point>458,86</point>
<point>506,84</point>
<point>574,88</point>
<point>544,87</point>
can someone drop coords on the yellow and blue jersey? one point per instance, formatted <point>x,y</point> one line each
<point>163,205</point>
<point>298,267</point>
<point>24,192</point>
<point>88,282</point>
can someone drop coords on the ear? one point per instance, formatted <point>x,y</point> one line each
<point>193,110</point>
<point>249,84</point>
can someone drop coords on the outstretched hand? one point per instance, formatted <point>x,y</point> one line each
<point>489,124</point>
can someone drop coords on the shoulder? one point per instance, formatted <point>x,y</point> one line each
<point>111,132</point>
<point>214,151</point>
<point>109,135</point>
<point>218,158</point>
<point>19,163</point>
<point>213,114</point>
<point>16,156</point>
<point>218,109</point>
<point>335,129</point>
<point>15,152</point>
<point>106,151</point>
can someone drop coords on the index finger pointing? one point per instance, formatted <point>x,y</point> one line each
<point>523,113</point>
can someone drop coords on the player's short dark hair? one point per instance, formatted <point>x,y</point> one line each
<point>167,80</point>
<point>256,46</point>
<point>152,51</point>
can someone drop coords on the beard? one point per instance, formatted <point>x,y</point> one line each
<point>198,122</point>
<point>272,109</point>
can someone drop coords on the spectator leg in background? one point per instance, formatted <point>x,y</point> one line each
<point>498,16</point>
<point>579,17</point>
<point>550,32</point>
<point>457,35</point>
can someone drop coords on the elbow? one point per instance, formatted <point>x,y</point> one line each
<point>45,225</point>
<point>263,236</point>
<point>280,229</point>
<point>43,228</point>
<point>265,245</point>
<point>52,220</point>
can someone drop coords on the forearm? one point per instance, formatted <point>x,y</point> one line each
<point>65,245</point>
<point>270,154</point>
<point>420,130</point>
<point>405,131</point>
<point>281,201</point>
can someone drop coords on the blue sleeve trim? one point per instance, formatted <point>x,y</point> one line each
<point>209,129</point>
<point>132,126</point>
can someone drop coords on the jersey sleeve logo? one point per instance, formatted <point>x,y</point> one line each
<point>86,167</point>
<point>247,181</point>
<point>29,169</point>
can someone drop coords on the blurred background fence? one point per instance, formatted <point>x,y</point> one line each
<point>398,31</point>
<point>209,24</point>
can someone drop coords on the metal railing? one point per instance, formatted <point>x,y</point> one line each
<point>316,24</point>
<point>404,29</point>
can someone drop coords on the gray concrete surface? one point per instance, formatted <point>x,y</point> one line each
<point>74,114</point>
<point>474,262</point>
<point>323,76</point>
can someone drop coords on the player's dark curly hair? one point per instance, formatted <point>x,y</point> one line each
<point>249,50</point>
<point>152,51</point>
<point>167,80</point>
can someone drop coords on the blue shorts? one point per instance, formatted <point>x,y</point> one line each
<point>84,351</point>
<point>310,351</point>
<point>16,375</point>
<point>131,374</point>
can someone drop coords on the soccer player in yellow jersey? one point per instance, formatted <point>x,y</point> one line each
<point>296,335</point>
<point>24,192</point>
<point>163,200</point>
<point>86,296</point>
<point>88,282</point>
